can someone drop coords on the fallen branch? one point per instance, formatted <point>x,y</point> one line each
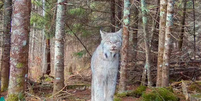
<point>57,92</point>
<point>33,96</point>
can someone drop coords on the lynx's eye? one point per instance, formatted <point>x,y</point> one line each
<point>109,42</point>
<point>118,42</point>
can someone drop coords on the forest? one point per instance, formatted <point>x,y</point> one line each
<point>46,49</point>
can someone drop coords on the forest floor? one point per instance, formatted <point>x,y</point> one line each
<point>77,92</point>
<point>78,89</point>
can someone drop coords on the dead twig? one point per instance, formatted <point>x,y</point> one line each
<point>191,80</point>
<point>29,94</point>
<point>57,92</point>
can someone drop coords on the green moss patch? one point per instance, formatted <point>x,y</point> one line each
<point>198,95</point>
<point>135,93</point>
<point>117,99</point>
<point>12,97</point>
<point>160,94</point>
<point>20,65</point>
<point>195,87</point>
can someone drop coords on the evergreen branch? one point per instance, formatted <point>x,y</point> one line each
<point>79,40</point>
<point>71,31</point>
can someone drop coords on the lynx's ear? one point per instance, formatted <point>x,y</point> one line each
<point>102,34</point>
<point>119,32</point>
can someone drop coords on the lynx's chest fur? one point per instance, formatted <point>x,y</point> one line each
<point>104,65</point>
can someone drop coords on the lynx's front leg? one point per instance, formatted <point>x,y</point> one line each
<point>98,87</point>
<point>111,85</point>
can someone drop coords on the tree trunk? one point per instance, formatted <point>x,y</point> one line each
<point>124,50</point>
<point>135,32</point>
<point>113,25</point>
<point>183,26</point>
<point>48,66</point>
<point>155,32</point>
<point>162,24</point>
<point>119,12</point>
<point>59,46</point>
<point>147,48</point>
<point>167,50</point>
<point>19,48</point>
<point>194,33</point>
<point>5,65</point>
<point>44,45</point>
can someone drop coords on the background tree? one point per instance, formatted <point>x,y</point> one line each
<point>135,28</point>
<point>84,19</point>
<point>155,29</point>
<point>113,15</point>
<point>162,24</point>
<point>124,50</point>
<point>19,48</point>
<point>168,42</point>
<point>119,4</point>
<point>59,46</point>
<point>183,25</point>
<point>147,67</point>
<point>5,65</point>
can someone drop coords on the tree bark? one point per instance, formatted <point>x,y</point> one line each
<point>124,50</point>
<point>183,25</point>
<point>154,40</point>
<point>19,48</point>
<point>5,65</point>
<point>135,32</point>
<point>147,48</point>
<point>119,13</point>
<point>59,46</point>
<point>162,24</point>
<point>113,18</point>
<point>44,45</point>
<point>167,50</point>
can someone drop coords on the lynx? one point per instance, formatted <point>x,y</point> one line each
<point>104,66</point>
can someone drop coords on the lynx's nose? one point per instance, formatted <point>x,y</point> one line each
<point>113,47</point>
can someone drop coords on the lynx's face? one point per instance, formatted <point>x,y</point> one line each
<point>111,41</point>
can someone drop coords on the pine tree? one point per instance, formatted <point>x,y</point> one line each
<point>59,46</point>
<point>19,48</point>
<point>5,65</point>
<point>124,50</point>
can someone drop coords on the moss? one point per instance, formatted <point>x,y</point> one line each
<point>4,89</point>
<point>48,79</point>
<point>12,97</point>
<point>159,94</point>
<point>123,94</point>
<point>198,95</point>
<point>195,87</point>
<point>170,89</point>
<point>19,80</point>
<point>21,97</point>
<point>138,92</point>
<point>20,65</point>
<point>135,93</point>
<point>117,99</point>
